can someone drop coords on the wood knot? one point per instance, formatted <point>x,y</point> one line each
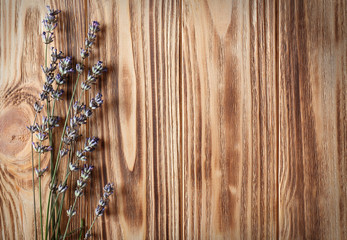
<point>14,135</point>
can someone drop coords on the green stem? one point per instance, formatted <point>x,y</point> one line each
<point>82,227</point>
<point>40,192</point>
<point>61,139</point>
<point>65,124</point>
<point>57,223</point>
<point>90,228</point>
<point>73,231</point>
<point>33,176</point>
<point>68,221</point>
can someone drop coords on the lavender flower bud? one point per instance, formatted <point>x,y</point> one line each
<point>41,149</point>
<point>73,167</point>
<point>49,69</point>
<point>78,192</point>
<point>87,235</point>
<point>81,156</point>
<point>81,184</point>
<point>87,112</point>
<point>91,144</point>
<point>88,43</point>
<point>56,94</point>
<point>49,78</point>
<point>79,67</point>
<point>108,189</point>
<point>99,211</point>
<point>53,121</point>
<point>96,102</point>
<point>49,24</point>
<point>103,202</point>
<point>63,152</point>
<point>91,78</point>
<point>98,68</point>
<point>59,79</point>
<point>47,37</point>
<point>47,88</point>
<point>62,188</point>
<point>43,96</point>
<point>94,27</point>
<point>84,53</point>
<point>85,86</point>
<point>40,172</point>
<point>86,171</point>
<point>32,128</point>
<point>37,107</point>
<point>71,212</point>
<point>65,66</point>
<point>98,99</point>
<point>41,136</point>
<point>78,108</point>
<point>55,55</point>
<point>52,12</point>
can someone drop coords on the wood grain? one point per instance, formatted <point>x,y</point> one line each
<point>313,169</point>
<point>223,119</point>
<point>228,120</point>
<point>21,52</point>
<point>139,123</point>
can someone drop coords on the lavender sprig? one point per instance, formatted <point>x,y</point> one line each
<point>100,208</point>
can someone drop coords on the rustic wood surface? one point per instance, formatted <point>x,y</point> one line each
<point>228,120</point>
<point>222,119</point>
<point>313,123</point>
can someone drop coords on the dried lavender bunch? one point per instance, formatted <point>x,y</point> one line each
<point>57,75</point>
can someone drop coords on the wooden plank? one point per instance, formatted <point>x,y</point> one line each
<point>21,78</point>
<point>228,120</point>
<point>139,123</point>
<point>313,127</point>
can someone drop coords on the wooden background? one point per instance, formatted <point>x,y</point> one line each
<point>222,119</point>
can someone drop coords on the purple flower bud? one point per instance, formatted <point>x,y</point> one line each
<point>40,172</point>
<point>71,212</point>
<point>47,37</point>
<point>62,188</point>
<point>37,107</point>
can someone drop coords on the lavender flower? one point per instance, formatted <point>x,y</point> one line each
<point>86,171</point>
<point>33,128</point>
<point>80,156</point>
<point>49,69</point>
<point>52,12</point>
<point>84,53</point>
<point>62,188</point>
<point>63,152</point>
<point>41,149</point>
<point>37,107</point>
<point>40,172</point>
<point>96,102</point>
<point>91,144</point>
<point>55,55</point>
<point>98,68</point>
<point>71,212</point>
<point>73,167</point>
<point>59,79</point>
<point>47,37</point>
<point>65,66</point>
<point>103,202</point>
<point>53,121</point>
<point>41,136</point>
<point>79,67</point>
<point>56,94</point>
